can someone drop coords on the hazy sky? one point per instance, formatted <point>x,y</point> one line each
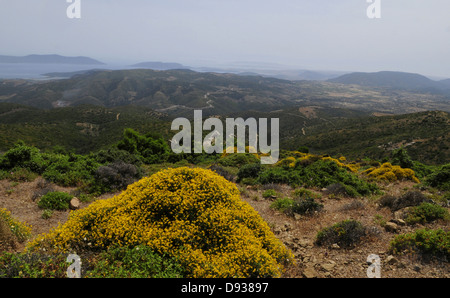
<point>411,35</point>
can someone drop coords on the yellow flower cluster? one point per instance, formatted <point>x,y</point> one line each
<point>297,156</point>
<point>191,214</point>
<point>390,173</point>
<point>21,230</point>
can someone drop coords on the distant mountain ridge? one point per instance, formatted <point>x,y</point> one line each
<point>178,92</point>
<point>50,59</point>
<point>392,79</point>
<point>160,65</point>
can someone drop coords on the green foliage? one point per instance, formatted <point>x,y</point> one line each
<point>318,174</point>
<point>136,262</point>
<point>427,243</point>
<point>55,201</point>
<point>401,158</point>
<point>249,171</point>
<point>306,193</point>
<point>150,148</point>
<point>305,205</point>
<point>238,160</point>
<point>282,204</point>
<point>113,177</point>
<point>34,265</point>
<point>440,178</point>
<point>269,193</point>
<point>70,170</point>
<point>346,233</point>
<point>22,156</point>
<point>20,230</point>
<point>426,212</point>
<point>303,149</point>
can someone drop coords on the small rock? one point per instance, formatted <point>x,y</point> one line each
<point>391,227</point>
<point>310,272</point>
<point>398,221</point>
<point>304,243</point>
<point>335,246</point>
<point>297,216</point>
<point>328,267</point>
<point>74,204</point>
<point>391,260</point>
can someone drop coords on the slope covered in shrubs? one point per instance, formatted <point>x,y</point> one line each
<point>192,215</point>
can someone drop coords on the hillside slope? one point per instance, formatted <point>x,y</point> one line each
<point>178,92</point>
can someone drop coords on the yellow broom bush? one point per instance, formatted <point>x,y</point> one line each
<point>193,215</point>
<point>390,173</point>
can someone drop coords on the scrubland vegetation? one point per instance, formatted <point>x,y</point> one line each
<point>183,215</point>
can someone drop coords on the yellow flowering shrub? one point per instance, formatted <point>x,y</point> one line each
<point>21,230</point>
<point>297,156</point>
<point>193,215</point>
<point>390,173</point>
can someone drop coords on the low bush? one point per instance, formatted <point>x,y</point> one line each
<point>222,172</point>
<point>238,160</point>
<point>440,178</point>
<point>192,215</point>
<point>282,204</point>
<point>409,199</point>
<point>113,177</point>
<point>249,171</point>
<point>20,230</point>
<point>135,262</point>
<point>321,173</point>
<point>390,173</point>
<point>269,193</point>
<point>35,265</point>
<point>346,233</point>
<point>306,193</point>
<point>425,213</point>
<point>424,242</point>
<point>305,205</point>
<point>55,201</point>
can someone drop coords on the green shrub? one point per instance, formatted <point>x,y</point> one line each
<point>137,262</point>
<point>222,172</point>
<point>249,171</point>
<point>318,174</point>
<point>149,148</point>
<point>268,193</point>
<point>427,243</point>
<point>238,160</point>
<point>426,212</point>
<point>70,170</point>
<point>346,233</point>
<point>440,178</point>
<point>306,193</point>
<point>115,176</point>
<point>21,174</point>
<point>22,156</point>
<point>34,265</point>
<point>20,230</point>
<point>282,204</point>
<point>55,201</point>
<point>305,206</point>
